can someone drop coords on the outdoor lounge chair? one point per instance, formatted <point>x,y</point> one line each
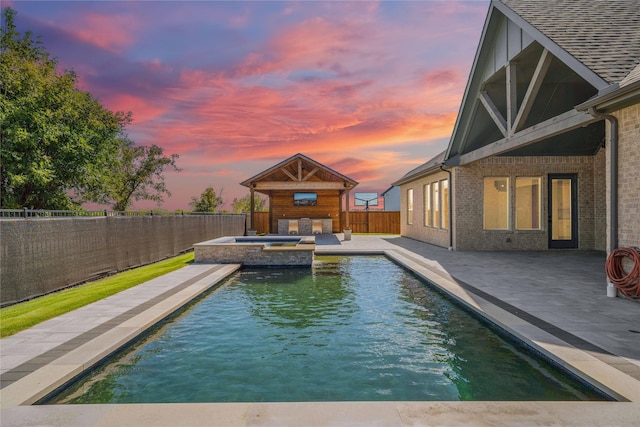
<point>293,226</point>
<point>316,226</point>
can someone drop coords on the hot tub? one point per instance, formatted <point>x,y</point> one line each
<point>257,250</point>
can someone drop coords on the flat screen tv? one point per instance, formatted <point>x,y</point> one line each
<point>305,199</point>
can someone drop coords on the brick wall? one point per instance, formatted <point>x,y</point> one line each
<point>43,255</point>
<point>629,176</point>
<point>468,201</point>
<point>418,230</point>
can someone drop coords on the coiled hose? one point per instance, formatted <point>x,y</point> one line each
<point>628,283</point>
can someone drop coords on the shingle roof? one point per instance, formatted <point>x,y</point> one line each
<point>602,34</point>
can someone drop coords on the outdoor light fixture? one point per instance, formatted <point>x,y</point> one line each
<point>500,184</point>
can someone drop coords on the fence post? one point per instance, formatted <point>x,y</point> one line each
<point>24,212</point>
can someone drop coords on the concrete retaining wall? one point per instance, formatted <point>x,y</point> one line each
<point>43,255</point>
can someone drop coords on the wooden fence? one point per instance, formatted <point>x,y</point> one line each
<point>382,222</point>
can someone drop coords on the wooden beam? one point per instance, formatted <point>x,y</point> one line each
<point>554,126</point>
<point>310,174</point>
<point>296,186</point>
<point>299,170</point>
<point>289,174</point>
<point>532,90</point>
<point>512,96</point>
<point>493,112</point>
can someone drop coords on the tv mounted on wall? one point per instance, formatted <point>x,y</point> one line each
<point>305,199</point>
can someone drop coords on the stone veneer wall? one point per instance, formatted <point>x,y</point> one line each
<point>255,254</point>
<point>468,201</point>
<point>43,255</point>
<point>628,176</point>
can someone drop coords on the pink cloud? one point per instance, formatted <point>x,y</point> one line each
<point>109,32</point>
<point>143,109</point>
<point>223,172</point>
<point>312,44</point>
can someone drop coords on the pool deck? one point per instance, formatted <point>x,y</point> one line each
<point>554,300</point>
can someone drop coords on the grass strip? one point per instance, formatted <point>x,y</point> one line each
<point>24,315</point>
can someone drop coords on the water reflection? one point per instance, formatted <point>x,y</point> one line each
<point>294,298</point>
<point>481,362</point>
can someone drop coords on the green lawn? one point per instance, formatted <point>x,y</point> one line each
<point>24,315</point>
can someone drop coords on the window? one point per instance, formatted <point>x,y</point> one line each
<point>436,204</point>
<point>444,185</point>
<point>410,206</point>
<point>427,205</point>
<point>496,203</point>
<point>528,203</point>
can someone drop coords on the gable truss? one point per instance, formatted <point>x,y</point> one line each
<point>300,177</point>
<point>511,126</point>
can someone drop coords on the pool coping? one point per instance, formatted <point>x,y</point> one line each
<point>17,397</point>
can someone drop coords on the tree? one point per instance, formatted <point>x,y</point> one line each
<point>57,141</point>
<point>137,174</point>
<point>244,204</point>
<point>208,202</point>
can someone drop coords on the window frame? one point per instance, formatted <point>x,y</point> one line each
<point>436,220</point>
<point>427,205</point>
<point>444,204</point>
<point>410,206</point>
<point>507,210</point>
<point>538,201</point>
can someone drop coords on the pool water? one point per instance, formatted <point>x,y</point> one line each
<point>349,329</point>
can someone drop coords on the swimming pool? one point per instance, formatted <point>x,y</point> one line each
<point>350,329</point>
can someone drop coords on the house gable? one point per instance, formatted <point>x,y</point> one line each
<point>299,172</point>
<point>521,95</point>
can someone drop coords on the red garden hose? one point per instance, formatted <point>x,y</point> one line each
<point>628,283</point>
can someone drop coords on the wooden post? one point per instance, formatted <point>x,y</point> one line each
<point>347,210</point>
<point>252,225</point>
<point>269,229</point>
<point>340,194</point>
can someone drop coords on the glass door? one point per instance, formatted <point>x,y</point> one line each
<point>563,212</point>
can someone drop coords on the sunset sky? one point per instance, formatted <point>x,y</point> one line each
<point>370,89</point>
